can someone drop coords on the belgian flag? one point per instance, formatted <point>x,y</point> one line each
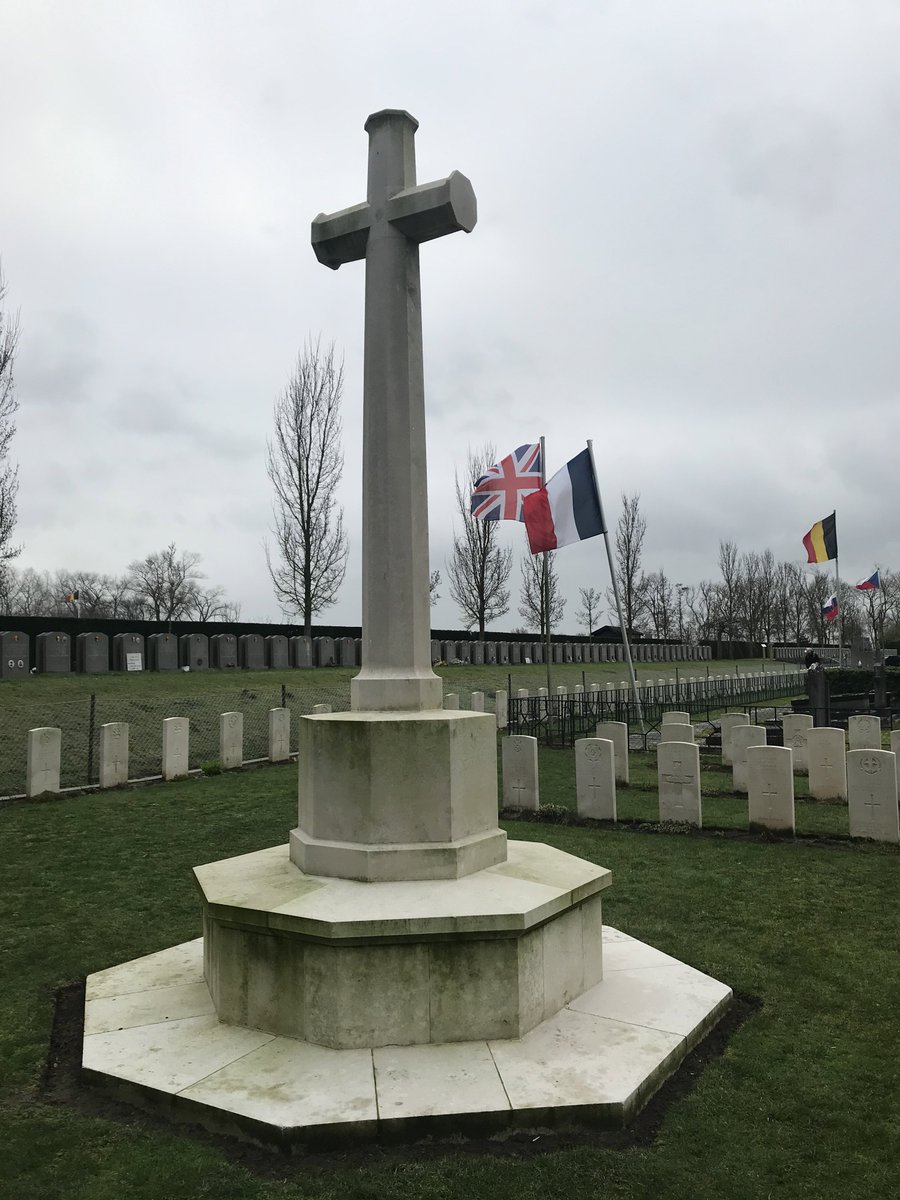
<point>821,541</point>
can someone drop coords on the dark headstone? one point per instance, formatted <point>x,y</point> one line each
<point>223,651</point>
<point>252,651</point>
<point>125,644</point>
<point>16,658</point>
<point>162,652</point>
<point>92,653</point>
<point>194,651</point>
<point>54,653</point>
<point>819,692</point>
<point>301,651</point>
<point>278,652</point>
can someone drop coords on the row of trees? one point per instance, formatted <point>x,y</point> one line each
<point>165,586</point>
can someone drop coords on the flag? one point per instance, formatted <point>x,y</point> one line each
<point>830,607</point>
<point>821,541</point>
<point>498,494</point>
<point>870,584</point>
<point>567,510</point>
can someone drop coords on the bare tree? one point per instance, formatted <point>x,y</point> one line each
<point>662,607</point>
<point>589,613</point>
<point>540,600</point>
<point>478,568</point>
<point>305,461</point>
<point>630,532</point>
<point>729,590</point>
<point>209,604</point>
<point>165,584</point>
<point>434,582</point>
<point>9,404</point>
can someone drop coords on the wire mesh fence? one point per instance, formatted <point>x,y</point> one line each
<point>80,718</point>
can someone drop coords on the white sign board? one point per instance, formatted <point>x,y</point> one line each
<point>134,662</point>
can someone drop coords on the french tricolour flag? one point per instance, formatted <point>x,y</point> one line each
<point>567,509</point>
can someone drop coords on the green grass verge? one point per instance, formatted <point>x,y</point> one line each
<point>804,1102</point>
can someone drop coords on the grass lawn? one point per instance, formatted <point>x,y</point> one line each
<point>805,1102</point>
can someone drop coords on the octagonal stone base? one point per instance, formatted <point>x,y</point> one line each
<point>397,795</point>
<point>152,1037</point>
<point>347,964</point>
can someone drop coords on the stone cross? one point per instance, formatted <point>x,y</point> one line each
<point>386,231</point>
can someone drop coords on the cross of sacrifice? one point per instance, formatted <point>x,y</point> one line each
<point>386,231</point>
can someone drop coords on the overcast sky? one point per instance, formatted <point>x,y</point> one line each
<point>688,249</point>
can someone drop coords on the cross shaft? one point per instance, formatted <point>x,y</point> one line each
<point>386,230</point>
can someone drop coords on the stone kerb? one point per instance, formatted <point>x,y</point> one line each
<point>827,764</point>
<point>742,738</point>
<point>872,795</point>
<point>231,740</point>
<point>864,732</point>
<point>795,727</point>
<point>617,733</point>
<point>678,773</point>
<point>44,748</point>
<point>770,772</point>
<point>728,722</point>
<point>520,773</point>
<point>279,734</point>
<point>397,796</point>
<point>676,733</point>
<point>113,754</point>
<point>675,717</point>
<point>176,734</point>
<point>595,779</point>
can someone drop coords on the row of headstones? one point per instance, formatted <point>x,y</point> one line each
<point>168,652</point>
<point>870,782</point>
<point>44,753</point>
<point>515,653</point>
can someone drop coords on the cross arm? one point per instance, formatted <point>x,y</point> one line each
<point>341,237</point>
<point>432,209</point>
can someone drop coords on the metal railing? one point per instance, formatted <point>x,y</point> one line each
<point>559,720</point>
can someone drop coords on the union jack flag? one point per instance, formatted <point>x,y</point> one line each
<point>498,494</point>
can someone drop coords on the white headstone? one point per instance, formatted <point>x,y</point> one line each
<point>727,723</point>
<point>742,738</point>
<point>319,710</point>
<point>522,693</point>
<point>827,764</point>
<point>872,795</point>
<point>617,733</point>
<point>279,734</point>
<point>477,702</point>
<point>864,732</point>
<point>674,717</point>
<point>176,735</point>
<point>231,740</point>
<point>795,727</point>
<point>678,771</point>
<point>770,773</point>
<point>542,691</point>
<point>895,742</point>
<point>451,700</point>
<point>501,708</point>
<point>113,754</point>
<point>676,733</point>
<point>44,749</point>
<point>595,778</point>
<point>520,773</point>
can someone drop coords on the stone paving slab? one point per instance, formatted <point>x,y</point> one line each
<point>597,1060</point>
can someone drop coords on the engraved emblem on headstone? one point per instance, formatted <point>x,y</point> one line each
<point>870,764</point>
<point>593,752</point>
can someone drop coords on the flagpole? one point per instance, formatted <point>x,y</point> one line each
<point>615,587</point>
<point>545,586</point>
<point>840,603</point>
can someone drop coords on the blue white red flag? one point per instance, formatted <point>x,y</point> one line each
<point>870,584</point>
<point>498,494</point>
<point>567,510</point>
<point>830,607</point>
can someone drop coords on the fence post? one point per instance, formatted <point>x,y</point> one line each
<point>284,695</point>
<point>90,746</point>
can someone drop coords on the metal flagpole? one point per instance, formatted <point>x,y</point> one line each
<point>840,604</point>
<point>615,586</point>
<point>545,586</point>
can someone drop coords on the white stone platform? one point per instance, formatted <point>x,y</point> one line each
<point>151,1032</point>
